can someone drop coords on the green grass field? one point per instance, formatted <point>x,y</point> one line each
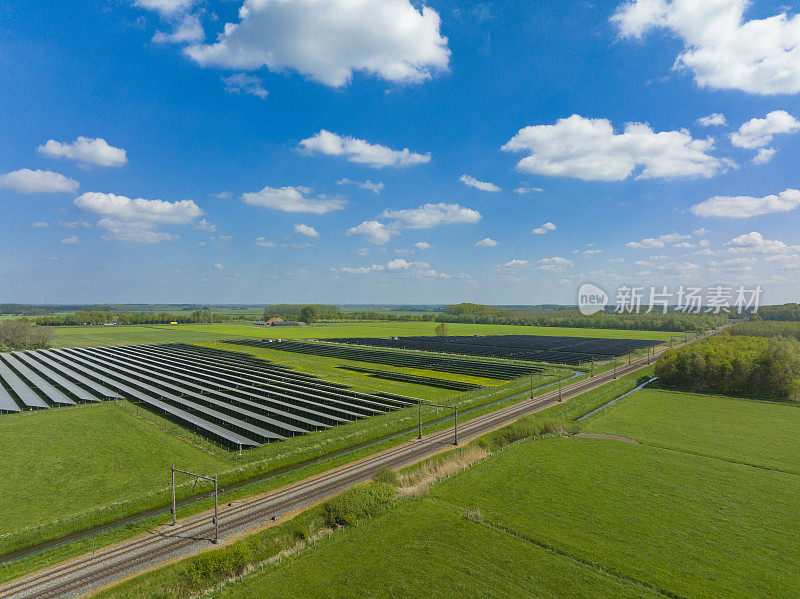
<point>429,549</point>
<point>198,333</point>
<point>752,432</point>
<point>683,515</point>
<point>566,518</point>
<point>58,464</point>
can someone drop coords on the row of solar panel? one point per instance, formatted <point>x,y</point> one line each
<point>234,398</point>
<point>405,359</point>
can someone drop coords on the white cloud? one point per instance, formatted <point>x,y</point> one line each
<point>747,206</point>
<point>482,185</point>
<point>754,242</point>
<point>374,231</point>
<point>554,264</point>
<point>375,188</point>
<point>658,242</point>
<point>186,31</point>
<point>525,189</point>
<point>764,156</point>
<point>361,151</point>
<point>292,199</point>
<point>759,56</point>
<point>306,230</point>
<point>716,119</point>
<point>165,7</point>
<point>264,242</point>
<point>27,181</point>
<point>432,215</point>
<point>86,151</point>
<point>129,219</point>
<point>757,133</point>
<point>72,240</point>
<point>219,266</point>
<point>589,149</point>
<point>486,242</point>
<point>206,226</point>
<point>400,266</point>
<point>329,40</point>
<point>242,83</point>
<point>40,225</point>
<point>545,228</point>
<point>363,252</point>
<point>422,245</point>
<point>222,195</point>
<point>74,224</point>
<point>516,263</point>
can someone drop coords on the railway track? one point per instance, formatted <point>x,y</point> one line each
<point>91,571</point>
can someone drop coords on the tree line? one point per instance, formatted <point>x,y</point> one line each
<point>100,317</point>
<point>735,365</point>
<point>19,333</point>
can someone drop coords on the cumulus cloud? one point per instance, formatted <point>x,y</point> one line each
<point>165,8</point>
<point>589,149</point>
<point>222,195</point>
<point>264,242</point>
<point>329,40</point>
<point>292,199</point>
<point>28,181</point>
<point>748,206</point>
<point>188,29</point>
<point>757,133</point>
<point>242,83</point>
<point>544,229</point>
<point>755,243</point>
<point>71,240</point>
<point>399,266</point>
<point>424,217</point>
<point>205,226</point>
<point>486,242</point>
<point>716,119</point>
<point>432,215</point>
<point>482,185</point>
<point>219,266</point>
<point>361,151</point>
<point>306,230</point>
<point>764,156</point>
<point>554,264</point>
<point>85,150</point>
<point>721,48</point>
<point>40,225</point>
<point>375,188</point>
<point>422,245</point>
<point>374,231</point>
<point>129,219</point>
<point>516,263</point>
<point>658,242</point>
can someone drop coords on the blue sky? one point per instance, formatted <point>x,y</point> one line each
<point>192,151</point>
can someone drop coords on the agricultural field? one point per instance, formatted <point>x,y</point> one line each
<point>198,333</point>
<point>682,514</point>
<point>85,456</point>
<point>764,434</point>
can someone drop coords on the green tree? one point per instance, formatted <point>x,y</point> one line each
<point>441,330</point>
<point>308,314</point>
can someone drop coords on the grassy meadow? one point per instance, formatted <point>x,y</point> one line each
<point>682,514</point>
<point>199,333</point>
<point>764,434</point>
<point>65,462</point>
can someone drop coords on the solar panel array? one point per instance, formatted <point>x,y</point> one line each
<point>428,381</point>
<point>472,367</point>
<point>537,348</point>
<point>235,399</point>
